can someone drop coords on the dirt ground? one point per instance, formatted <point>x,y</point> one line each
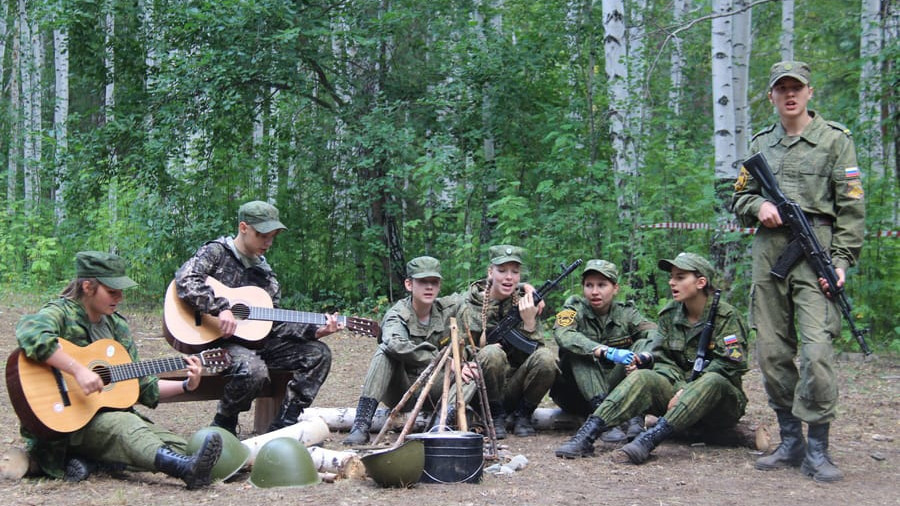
<point>865,443</point>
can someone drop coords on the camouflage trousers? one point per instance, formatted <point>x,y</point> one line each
<point>711,401</point>
<point>510,384</point>
<point>388,379</point>
<point>581,379</point>
<point>309,360</point>
<point>123,437</point>
<point>794,318</point>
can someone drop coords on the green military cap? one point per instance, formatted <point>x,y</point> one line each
<point>796,69</point>
<point>689,262</point>
<point>504,253</point>
<point>606,269</point>
<point>262,216</point>
<point>107,268</point>
<point>423,267</point>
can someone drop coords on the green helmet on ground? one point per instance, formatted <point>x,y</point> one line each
<point>283,462</point>
<point>234,453</point>
<point>397,467</point>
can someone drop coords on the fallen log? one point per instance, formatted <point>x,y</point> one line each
<point>309,431</point>
<point>343,464</point>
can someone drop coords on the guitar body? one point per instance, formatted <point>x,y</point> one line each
<point>187,335</point>
<point>35,392</point>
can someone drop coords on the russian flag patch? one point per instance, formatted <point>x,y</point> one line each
<point>732,339</point>
<point>851,172</point>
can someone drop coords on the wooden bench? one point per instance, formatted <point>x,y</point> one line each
<point>266,405</point>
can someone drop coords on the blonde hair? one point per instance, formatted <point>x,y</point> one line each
<point>484,306</point>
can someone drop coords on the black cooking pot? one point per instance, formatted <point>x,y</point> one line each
<point>452,456</point>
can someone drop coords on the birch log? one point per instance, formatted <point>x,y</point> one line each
<point>309,431</point>
<point>344,464</point>
<point>341,419</point>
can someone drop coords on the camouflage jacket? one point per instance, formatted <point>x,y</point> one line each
<point>37,336</point>
<point>579,330</point>
<point>470,321</point>
<point>219,259</point>
<point>412,343</point>
<point>818,170</point>
<point>675,344</point>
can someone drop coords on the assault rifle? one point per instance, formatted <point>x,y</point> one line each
<point>507,333</point>
<point>706,336</point>
<point>803,244</point>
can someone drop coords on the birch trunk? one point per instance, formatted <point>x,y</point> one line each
<point>786,39</point>
<point>870,87</point>
<point>12,171</point>
<point>60,115</point>
<point>30,185</point>
<point>615,50</point>
<point>723,91</point>
<point>676,61</point>
<point>741,77</point>
<point>109,106</point>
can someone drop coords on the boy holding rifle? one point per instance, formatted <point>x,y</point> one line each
<point>814,163</point>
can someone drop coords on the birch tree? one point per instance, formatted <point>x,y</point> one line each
<point>60,107</point>
<point>30,63</point>
<point>740,79</point>
<point>614,49</point>
<point>109,105</point>
<point>12,156</point>
<point>786,39</point>
<point>723,91</point>
<point>870,89</point>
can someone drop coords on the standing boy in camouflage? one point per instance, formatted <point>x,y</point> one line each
<point>714,401</point>
<point>240,261</point>
<point>413,332</point>
<point>814,164</point>
<point>595,334</point>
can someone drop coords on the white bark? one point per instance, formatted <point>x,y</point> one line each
<point>309,431</point>
<point>723,91</point>
<point>60,114</point>
<point>12,170</point>
<point>615,50</point>
<point>740,79</point>
<point>637,69</point>
<point>109,107</point>
<point>870,87</point>
<point>676,59</point>
<point>30,63</point>
<point>786,40</point>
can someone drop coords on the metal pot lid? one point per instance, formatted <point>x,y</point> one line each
<point>450,434</point>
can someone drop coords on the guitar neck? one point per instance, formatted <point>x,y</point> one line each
<point>123,372</point>
<point>287,315</point>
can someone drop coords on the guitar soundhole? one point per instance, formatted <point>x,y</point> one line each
<point>104,374</point>
<point>240,311</point>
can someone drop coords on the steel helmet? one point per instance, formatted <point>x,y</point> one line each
<point>234,453</point>
<point>397,467</point>
<point>283,462</point>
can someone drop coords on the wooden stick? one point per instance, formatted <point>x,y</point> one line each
<point>422,397</point>
<point>409,393</point>
<point>461,421</point>
<point>445,395</point>
<point>486,413</point>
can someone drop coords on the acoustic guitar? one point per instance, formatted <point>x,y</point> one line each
<point>189,331</point>
<point>50,402</point>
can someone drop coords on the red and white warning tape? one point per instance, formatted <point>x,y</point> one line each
<point>743,230</point>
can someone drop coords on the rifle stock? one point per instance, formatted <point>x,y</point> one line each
<point>507,333</point>
<point>804,244</point>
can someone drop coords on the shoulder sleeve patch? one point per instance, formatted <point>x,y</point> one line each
<point>837,126</point>
<point>741,182</point>
<point>565,318</point>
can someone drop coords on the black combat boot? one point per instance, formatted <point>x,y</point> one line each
<point>359,432</point>
<point>638,451</point>
<point>288,414</point>
<point>227,422</point>
<point>634,427</point>
<point>818,463</point>
<point>498,415</point>
<point>522,426</point>
<point>791,450</point>
<point>195,469</point>
<point>79,469</point>
<point>582,443</point>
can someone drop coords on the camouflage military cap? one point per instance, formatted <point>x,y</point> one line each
<point>106,268</point>
<point>796,69</point>
<point>690,262</point>
<point>604,268</point>
<point>423,267</point>
<point>504,253</point>
<point>262,216</point>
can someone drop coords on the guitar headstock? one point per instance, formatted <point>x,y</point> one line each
<point>364,326</point>
<point>215,359</point>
